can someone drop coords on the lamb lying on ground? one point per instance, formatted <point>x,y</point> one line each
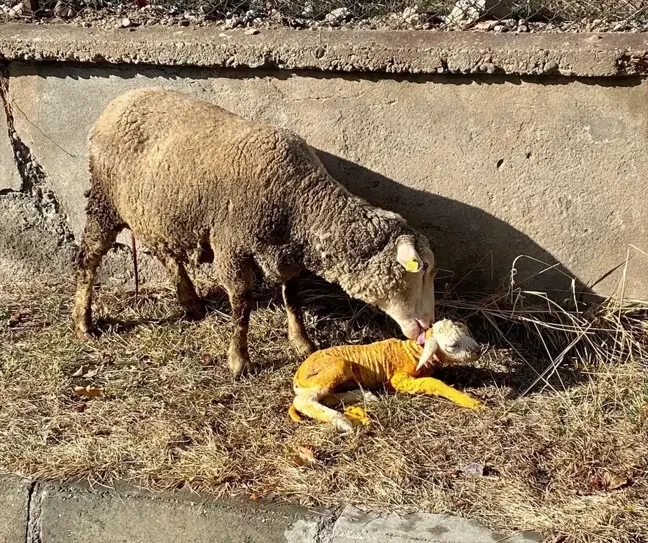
<point>197,184</point>
<point>338,374</point>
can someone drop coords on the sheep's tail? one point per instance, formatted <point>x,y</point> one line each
<point>134,251</point>
<point>294,414</point>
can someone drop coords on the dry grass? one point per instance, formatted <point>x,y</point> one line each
<point>567,415</point>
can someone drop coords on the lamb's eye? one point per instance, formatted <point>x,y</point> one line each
<point>453,345</point>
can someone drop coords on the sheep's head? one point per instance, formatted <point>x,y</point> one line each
<point>450,343</point>
<point>411,303</point>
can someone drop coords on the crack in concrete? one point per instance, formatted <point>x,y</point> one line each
<point>34,510</point>
<point>32,175</point>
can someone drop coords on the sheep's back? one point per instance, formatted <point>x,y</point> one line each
<point>171,164</point>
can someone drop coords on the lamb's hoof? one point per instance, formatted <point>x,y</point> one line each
<point>369,397</point>
<point>195,312</point>
<point>304,347</point>
<point>342,424</point>
<point>476,405</point>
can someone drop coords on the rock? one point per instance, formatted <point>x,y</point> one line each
<point>500,28</point>
<point>523,28</point>
<point>486,25</point>
<point>232,22</point>
<point>251,31</point>
<point>308,12</point>
<point>550,66</point>
<point>412,16</point>
<point>337,16</point>
<point>125,23</point>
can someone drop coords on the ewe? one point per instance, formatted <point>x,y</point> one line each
<point>196,183</point>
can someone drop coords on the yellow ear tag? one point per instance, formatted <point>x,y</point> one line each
<point>412,265</point>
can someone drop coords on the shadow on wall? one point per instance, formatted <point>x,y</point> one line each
<point>476,252</point>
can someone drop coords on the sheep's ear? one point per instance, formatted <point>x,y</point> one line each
<point>429,350</point>
<point>407,256</point>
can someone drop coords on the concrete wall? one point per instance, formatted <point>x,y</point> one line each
<point>490,166</point>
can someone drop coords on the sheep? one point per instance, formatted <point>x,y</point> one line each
<point>346,374</point>
<point>198,184</point>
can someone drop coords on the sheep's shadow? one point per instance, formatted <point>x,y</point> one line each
<point>476,252</point>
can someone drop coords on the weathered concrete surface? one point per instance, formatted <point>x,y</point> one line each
<point>354,525</point>
<point>403,52</point>
<point>9,177</point>
<point>14,500</point>
<point>51,513</point>
<point>73,515</point>
<point>491,168</point>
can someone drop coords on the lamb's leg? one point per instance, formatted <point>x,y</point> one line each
<point>296,330</point>
<point>185,290</point>
<point>350,397</point>
<point>432,387</point>
<point>307,402</point>
<point>99,236</point>
<point>239,289</point>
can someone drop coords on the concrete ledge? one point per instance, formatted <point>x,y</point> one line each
<point>398,52</point>
<point>42,512</point>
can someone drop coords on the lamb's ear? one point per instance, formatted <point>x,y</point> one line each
<point>429,350</point>
<point>407,256</point>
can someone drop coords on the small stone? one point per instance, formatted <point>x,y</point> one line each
<point>233,22</point>
<point>550,66</point>
<point>183,22</point>
<point>412,16</point>
<point>487,67</point>
<point>474,469</point>
<point>125,23</point>
<point>500,28</point>
<point>486,25</point>
<point>523,28</point>
<point>251,31</point>
<point>337,16</point>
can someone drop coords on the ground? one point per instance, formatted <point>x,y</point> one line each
<point>566,456</point>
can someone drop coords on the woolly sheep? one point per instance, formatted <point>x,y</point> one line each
<point>354,369</point>
<point>196,184</point>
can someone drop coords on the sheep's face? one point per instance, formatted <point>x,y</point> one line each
<point>450,343</point>
<point>411,305</point>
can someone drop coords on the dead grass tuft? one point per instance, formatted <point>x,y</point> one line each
<point>562,445</point>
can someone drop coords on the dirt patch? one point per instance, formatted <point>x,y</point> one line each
<point>570,458</point>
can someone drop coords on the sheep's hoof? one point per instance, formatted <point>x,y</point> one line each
<point>303,346</point>
<point>238,365</point>
<point>86,334</point>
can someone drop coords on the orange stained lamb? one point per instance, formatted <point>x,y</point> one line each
<point>342,374</point>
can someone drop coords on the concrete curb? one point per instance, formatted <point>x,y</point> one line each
<point>42,512</point>
<point>397,52</point>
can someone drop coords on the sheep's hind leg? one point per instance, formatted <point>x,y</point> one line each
<point>99,235</point>
<point>297,334</point>
<point>187,296</point>
<point>239,288</point>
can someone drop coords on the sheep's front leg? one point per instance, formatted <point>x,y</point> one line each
<point>432,387</point>
<point>239,290</point>
<point>187,296</point>
<point>297,334</point>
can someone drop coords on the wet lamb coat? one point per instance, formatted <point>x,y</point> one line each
<point>197,184</point>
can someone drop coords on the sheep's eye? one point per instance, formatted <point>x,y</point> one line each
<point>453,345</point>
<point>425,266</point>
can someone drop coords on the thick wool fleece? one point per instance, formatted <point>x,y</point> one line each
<point>196,183</point>
<point>234,190</point>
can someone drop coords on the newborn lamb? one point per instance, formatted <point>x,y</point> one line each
<point>337,375</point>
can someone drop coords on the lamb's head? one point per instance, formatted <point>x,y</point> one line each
<point>449,343</point>
<point>410,299</point>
